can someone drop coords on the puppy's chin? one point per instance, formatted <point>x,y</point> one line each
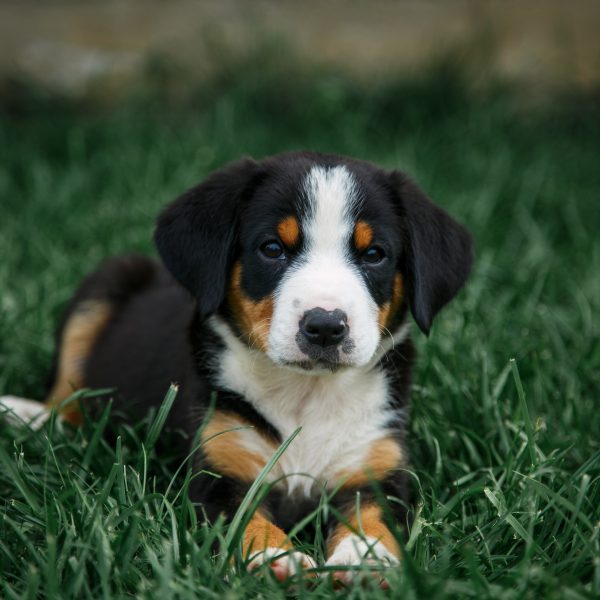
<point>291,358</point>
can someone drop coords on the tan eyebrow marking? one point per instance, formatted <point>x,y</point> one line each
<point>289,231</point>
<point>363,235</point>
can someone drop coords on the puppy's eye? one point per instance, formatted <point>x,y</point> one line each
<point>373,255</point>
<point>272,249</point>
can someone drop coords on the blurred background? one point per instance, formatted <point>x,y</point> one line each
<point>107,52</point>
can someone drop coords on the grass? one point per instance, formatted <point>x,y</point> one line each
<point>505,428</point>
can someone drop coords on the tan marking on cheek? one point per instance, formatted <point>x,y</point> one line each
<point>388,310</point>
<point>253,318</point>
<point>385,454</point>
<point>225,450</point>
<point>289,231</point>
<point>370,524</point>
<point>261,534</point>
<point>384,313</point>
<point>363,235</point>
<point>78,338</point>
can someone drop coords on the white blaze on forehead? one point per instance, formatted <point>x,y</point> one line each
<point>325,276</point>
<point>332,195</point>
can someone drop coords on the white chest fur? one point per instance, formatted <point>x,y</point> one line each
<point>340,414</point>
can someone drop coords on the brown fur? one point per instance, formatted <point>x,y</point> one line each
<point>289,231</point>
<point>253,318</point>
<point>363,235</point>
<point>385,455</point>
<point>388,310</point>
<point>367,523</point>
<point>225,453</point>
<point>261,534</point>
<point>77,342</point>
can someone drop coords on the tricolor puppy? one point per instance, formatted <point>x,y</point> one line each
<point>285,290</point>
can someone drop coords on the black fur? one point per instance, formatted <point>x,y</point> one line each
<point>437,252</point>
<point>146,345</point>
<point>196,234</point>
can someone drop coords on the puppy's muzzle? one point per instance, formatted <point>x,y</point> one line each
<point>324,328</point>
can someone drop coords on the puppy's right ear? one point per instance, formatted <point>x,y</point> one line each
<point>196,234</point>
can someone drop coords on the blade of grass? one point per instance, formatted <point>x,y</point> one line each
<point>19,480</point>
<point>525,413</point>
<point>503,513</point>
<point>99,428</point>
<point>161,417</point>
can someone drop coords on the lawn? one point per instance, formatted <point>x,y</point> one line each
<point>505,425</point>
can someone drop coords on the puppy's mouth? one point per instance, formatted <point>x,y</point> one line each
<point>315,366</point>
<point>319,359</point>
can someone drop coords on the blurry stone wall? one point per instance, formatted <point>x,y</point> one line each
<point>103,49</point>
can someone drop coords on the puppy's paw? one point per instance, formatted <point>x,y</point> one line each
<point>21,410</point>
<point>283,563</point>
<point>355,551</point>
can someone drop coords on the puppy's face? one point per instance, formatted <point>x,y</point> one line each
<point>314,281</point>
<point>310,257</point>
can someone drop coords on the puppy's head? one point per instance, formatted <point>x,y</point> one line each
<point>311,258</point>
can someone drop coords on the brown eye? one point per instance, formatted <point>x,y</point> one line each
<point>373,255</point>
<point>272,249</point>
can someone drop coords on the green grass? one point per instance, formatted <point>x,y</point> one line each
<point>505,453</point>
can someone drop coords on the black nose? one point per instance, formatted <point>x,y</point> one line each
<point>324,327</point>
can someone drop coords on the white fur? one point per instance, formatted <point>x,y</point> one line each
<point>22,410</point>
<point>341,413</point>
<point>325,276</point>
<point>288,562</point>
<point>353,550</point>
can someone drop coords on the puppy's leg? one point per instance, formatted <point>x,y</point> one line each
<point>363,539</point>
<point>237,451</point>
<point>100,297</point>
<point>76,341</point>
<point>79,334</point>
<point>264,542</point>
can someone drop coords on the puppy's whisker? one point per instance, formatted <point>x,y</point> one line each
<point>385,330</point>
<point>254,335</point>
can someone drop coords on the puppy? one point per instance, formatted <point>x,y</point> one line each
<point>283,295</point>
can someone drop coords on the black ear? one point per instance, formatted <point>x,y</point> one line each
<point>437,252</point>
<point>196,234</point>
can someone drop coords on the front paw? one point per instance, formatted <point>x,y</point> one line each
<point>355,551</point>
<point>23,411</point>
<point>282,563</point>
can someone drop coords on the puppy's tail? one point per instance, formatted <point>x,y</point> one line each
<point>97,301</point>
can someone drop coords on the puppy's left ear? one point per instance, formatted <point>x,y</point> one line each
<point>437,252</point>
<point>197,233</point>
